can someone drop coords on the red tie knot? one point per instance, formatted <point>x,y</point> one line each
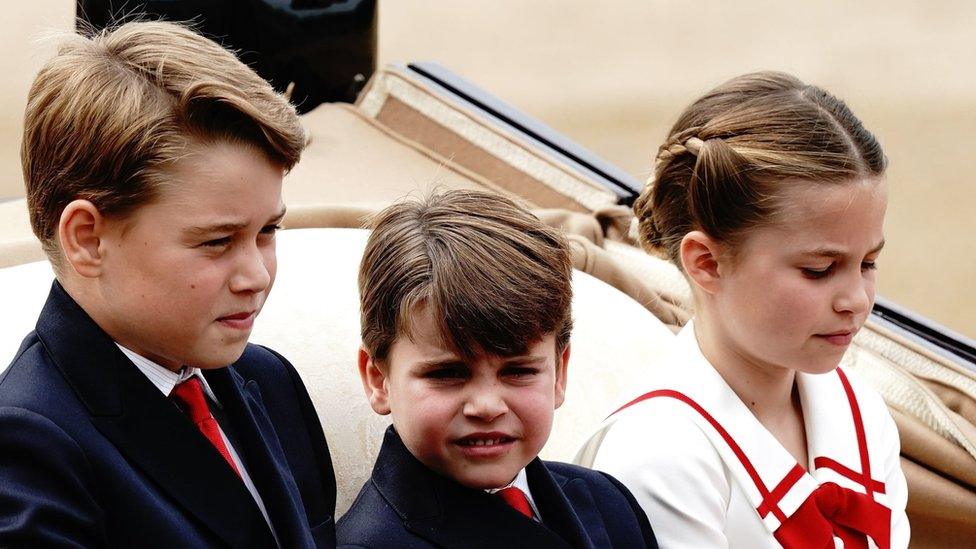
<point>190,394</point>
<point>516,499</point>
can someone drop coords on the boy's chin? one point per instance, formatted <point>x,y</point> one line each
<point>220,358</point>
<point>487,481</point>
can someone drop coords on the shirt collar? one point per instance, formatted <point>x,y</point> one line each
<point>522,483</point>
<point>164,379</point>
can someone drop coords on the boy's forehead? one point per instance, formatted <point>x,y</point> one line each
<point>422,330</point>
<point>222,186</point>
<point>432,340</point>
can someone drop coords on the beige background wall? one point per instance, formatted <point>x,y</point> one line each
<point>613,75</point>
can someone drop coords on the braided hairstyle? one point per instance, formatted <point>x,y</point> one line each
<point>725,159</point>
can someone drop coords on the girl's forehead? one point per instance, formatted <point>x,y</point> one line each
<point>848,215</point>
<point>806,199</point>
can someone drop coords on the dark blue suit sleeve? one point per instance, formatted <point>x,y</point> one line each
<point>648,534</point>
<point>46,485</point>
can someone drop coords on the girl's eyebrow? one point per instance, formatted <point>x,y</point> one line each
<point>277,218</point>
<point>215,228</point>
<point>834,253</point>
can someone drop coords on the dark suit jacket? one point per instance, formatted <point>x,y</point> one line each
<point>406,505</point>
<point>93,455</point>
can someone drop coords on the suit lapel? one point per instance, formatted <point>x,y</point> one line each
<point>146,427</point>
<point>266,462</point>
<point>550,495</point>
<point>447,514</point>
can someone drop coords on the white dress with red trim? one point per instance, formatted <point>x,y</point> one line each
<point>708,474</point>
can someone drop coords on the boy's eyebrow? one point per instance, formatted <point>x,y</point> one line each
<point>457,361</point>
<point>441,362</point>
<point>230,227</point>
<point>528,359</point>
<point>834,253</point>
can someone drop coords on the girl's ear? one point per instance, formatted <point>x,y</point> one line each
<point>374,383</point>
<point>700,260</point>
<point>80,232</point>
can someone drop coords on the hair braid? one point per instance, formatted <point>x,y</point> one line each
<point>721,167</point>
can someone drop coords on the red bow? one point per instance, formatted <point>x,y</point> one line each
<point>834,511</point>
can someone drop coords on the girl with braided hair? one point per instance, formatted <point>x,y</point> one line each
<point>769,195</point>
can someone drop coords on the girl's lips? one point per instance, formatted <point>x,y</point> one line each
<point>839,339</point>
<point>238,321</point>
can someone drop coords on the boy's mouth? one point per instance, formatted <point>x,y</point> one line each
<point>485,444</point>
<point>484,441</point>
<point>241,321</point>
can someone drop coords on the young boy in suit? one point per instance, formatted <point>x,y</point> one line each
<point>137,415</point>
<point>465,302</point>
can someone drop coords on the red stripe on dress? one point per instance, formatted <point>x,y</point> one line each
<point>771,503</point>
<point>862,441</point>
<point>753,474</point>
<point>869,483</point>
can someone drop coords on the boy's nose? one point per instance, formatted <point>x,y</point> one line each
<point>485,406</point>
<point>254,272</point>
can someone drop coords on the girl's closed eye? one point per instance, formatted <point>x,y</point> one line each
<point>817,273</point>
<point>270,229</point>
<point>216,242</point>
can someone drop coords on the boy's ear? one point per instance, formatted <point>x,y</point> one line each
<point>700,260</point>
<point>561,373</point>
<point>374,383</point>
<point>80,232</point>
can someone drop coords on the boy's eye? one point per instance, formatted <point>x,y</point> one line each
<point>446,374</point>
<point>217,242</point>
<point>817,273</point>
<point>868,265</point>
<point>520,372</point>
<point>270,229</point>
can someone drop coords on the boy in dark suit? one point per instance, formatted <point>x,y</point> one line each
<point>465,302</point>
<point>137,415</point>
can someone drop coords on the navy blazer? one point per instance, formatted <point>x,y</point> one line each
<point>92,454</point>
<point>406,505</point>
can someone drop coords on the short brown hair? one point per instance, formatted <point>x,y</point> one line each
<point>720,168</point>
<point>113,109</point>
<point>492,274</point>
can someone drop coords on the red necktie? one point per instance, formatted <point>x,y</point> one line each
<point>516,499</point>
<point>190,394</point>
